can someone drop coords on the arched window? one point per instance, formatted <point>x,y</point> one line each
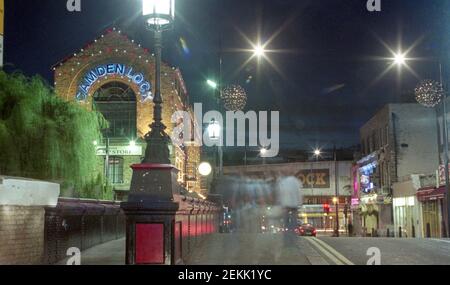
<point>117,102</point>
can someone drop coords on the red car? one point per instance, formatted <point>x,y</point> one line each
<point>306,230</point>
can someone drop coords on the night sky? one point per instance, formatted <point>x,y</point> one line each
<point>328,52</point>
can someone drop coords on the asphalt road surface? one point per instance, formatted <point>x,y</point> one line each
<point>270,249</point>
<point>274,249</point>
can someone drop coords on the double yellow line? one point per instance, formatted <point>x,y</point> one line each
<point>329,252</point>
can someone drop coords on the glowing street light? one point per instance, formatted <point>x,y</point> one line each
<point>132,143</point>
<point>211,84</point>
<point>335,200</point>
<point>204,169</point>
<point>399,59</point>
<point>317,152</point>
<point>158,12</point>
<point>263,151</point>
<point>259,51</point>
<point>214,130</point>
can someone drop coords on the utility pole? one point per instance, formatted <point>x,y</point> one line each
<point>336,182</point>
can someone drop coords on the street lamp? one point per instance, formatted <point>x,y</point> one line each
<point>212,84</point>
<point>159,16</point>
<point>399,58</point>
<point>204,169</point>
<point>263,151</point>
<point>214,130</point>
<point>259,51</point>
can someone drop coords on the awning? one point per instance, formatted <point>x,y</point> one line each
<point>427,194</point>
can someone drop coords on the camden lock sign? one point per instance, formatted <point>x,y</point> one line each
<point>92,76</point>
<point>316,178</point>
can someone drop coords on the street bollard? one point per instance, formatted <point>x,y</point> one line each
<point>428,230</point>
<point>388,233</point>
<point>399,232</point>
<point>413,231</point>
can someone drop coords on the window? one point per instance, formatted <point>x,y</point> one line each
<point>115,170</point>
<point>117,102</point>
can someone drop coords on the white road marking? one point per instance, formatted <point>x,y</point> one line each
<point>323,250</point>
<point>335,252</point>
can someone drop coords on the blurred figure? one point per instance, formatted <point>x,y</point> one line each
<point>289,198</point>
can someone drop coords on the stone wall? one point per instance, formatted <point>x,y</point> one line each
<point>22,213</point>
<point>21,234</point>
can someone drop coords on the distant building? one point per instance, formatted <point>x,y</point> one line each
<point>321,181</point>
<point>399,140</point>
<point>114,75</point>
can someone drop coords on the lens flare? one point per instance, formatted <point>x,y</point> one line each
<point>184,46</point>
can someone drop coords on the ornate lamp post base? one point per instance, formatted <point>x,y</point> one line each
<point>150,215</point>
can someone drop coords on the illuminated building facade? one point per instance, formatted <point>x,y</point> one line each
<point>115,76</point>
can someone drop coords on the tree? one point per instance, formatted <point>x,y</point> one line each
<point>45,137</point>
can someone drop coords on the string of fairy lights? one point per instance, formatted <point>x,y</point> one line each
<point>77,62</point>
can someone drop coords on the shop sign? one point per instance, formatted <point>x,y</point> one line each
<point>120,150</point>
<point>95,74</point>
<point>315,178</point>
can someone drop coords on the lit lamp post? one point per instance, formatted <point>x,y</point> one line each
<point>214,132</point>
<point>151,233</point>
<point>336,203</point>
<point>159,16</point>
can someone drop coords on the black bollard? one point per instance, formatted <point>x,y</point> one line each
<point>400,232</point>
<point>388,233</point>
<point>428,230</point>
<point>413,231</point>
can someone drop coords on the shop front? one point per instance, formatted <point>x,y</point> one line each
<point>432,204</point>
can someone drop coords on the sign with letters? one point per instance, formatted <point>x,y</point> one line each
<point>315,178</point>
<point>120,150</point>
<point>92,76</point>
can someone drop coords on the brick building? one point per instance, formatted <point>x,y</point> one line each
<point>399,140</point>
<point>115,76</point>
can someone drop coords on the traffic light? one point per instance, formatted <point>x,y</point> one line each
<point>326,208</point>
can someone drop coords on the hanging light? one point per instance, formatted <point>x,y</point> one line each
<point>429,93</point>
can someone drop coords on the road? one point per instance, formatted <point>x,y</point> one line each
<point>268,249</point>
<point>271,249</point>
